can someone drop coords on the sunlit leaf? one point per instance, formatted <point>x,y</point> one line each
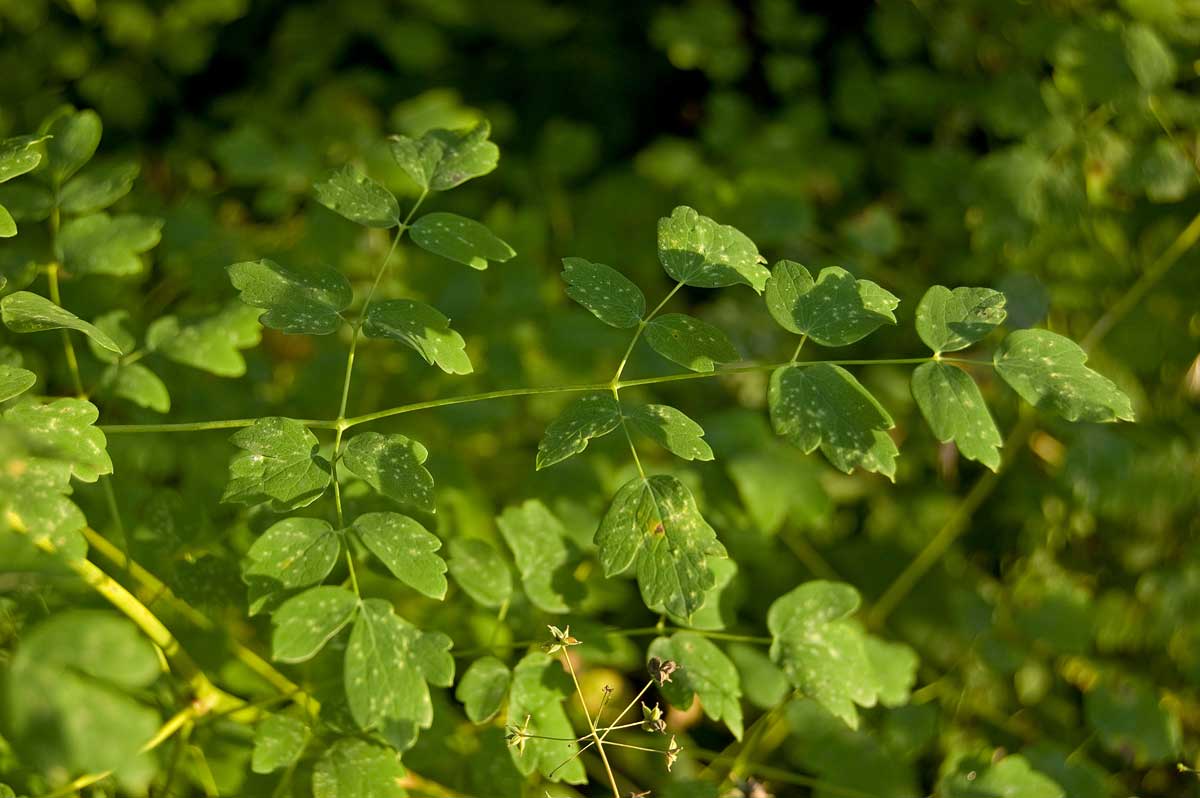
<point>19,155</point>
<point>834,310</point>
<point>279,740</point>
<point>421,327</point>
<point>15,381</point>
<point>65,429</point>
<point>360,199</point>
<point>459,239</point>
<point>1048,371</point>
<point>308,302</point>
<point>703,671</point>
<point>608,294</point>
<point>698,251</point>
<point>25,312</point>
<point>406,548</point>
<point>392,465</point>
<point>306,622</point>
<point>295,552</point>
<point>690,342</point>
<point>671,429</point>
<point>480,571</point>
<point>1011,777</point>
<point>951,320</point>
<point>353,768</point>
<point>588,417</point>
<point>442,159</point>
<point>483,688</point>
<point>954,408</point>
<point>279,464</point>
<point>539,687</point>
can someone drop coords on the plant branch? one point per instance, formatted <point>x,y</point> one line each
<point>612,779</point>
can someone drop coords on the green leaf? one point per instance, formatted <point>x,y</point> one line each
<point>353,768</point>
<point>210,344</point>
<point>15,381</point>
<point>24,312</point>
<point>77,688</point>
<point>1048,371</point>
<point>480,571</point>
<point>97,187</point>
<point>690,342</point>
<point>954,408</point>
<point>19,155</point>
<point>1131,720</point>
<point>140,385</point>
<point>279,740</point>
<point>1149,57</point>
<point>823,653</point>
<point>459,239</point>
<point>442,159</point>
<point>296,552</point>
<point>360,199</point>
<point>670,429</point>
<point>392,465</point>
<point>34,483</point>
<point>280,464</point>
<point>704,671</point>
<point>64,428</point>
<point>765,684</point>
<point>115,325</point>
<point>1011,777</point>
<point>406,548</point>
<point>8,227</point>
<point>483,688</point>
<point>591,416</point>
<point>603,290</point>
<point>822,405</point>
<point>306,622</point>
<point>308,302</point>
<point>545,555</point>
<point>654,524</point>
<point>388,662</point>
<point>699,252</point>
<point>948,321</point>
<point>539,687</point>
<point>835,310</point>
<point>895,666</point>
<point>112,245</point>
<point>72,139</point>
<point>421,327</point>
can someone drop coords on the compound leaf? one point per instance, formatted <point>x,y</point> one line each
<point>210,344</point>
<point>948,321</point>
<point>279,740</point>
<point>539,687</point>
<point>822,405</point>
<point>608,294</point>
<point>295,552</point>
<point>954,408</point>
<point>835,310</point>
<point>704,670</point>
<point>421,327</point>
<point>483,687</point>
<point>442,159</point>
<point>588,417</point>
<point>360,199</point>
<point>697,251</point>
<point>654,524</point>
<point>392,465</point>
<point>306,622</point>
<point>544,553</point>
<point>459,239</point>
<point>353,768</point>
<point>1049,372</point>
<point>406,548</point>
<point>690,342</point>
<point>671,429</point>
<point>280,464</point>
<point>110,245</point>
<point>480,571</point>
<point>308,302</point>
<point>25,312</point>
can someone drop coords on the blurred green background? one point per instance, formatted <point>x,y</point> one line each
<point>1047,149</point>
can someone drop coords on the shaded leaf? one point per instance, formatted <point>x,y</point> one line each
<point>421,327</point>
<point>835,310</point>
<point>279,740</point>
<point>459,239</point>
<point>97,187</point>
<point>72,139</point>
<point>654,524</point>
<point>140,385</point>
<point>352,768</point>
<point>350,193</point>
<point>608,294</point>
<point>545,555</point>
<point>480,571</point>
<point>280,464</point>
<point>948,321</point>
<point>955,411</point>
<point>895,666</point>
<point>1011,777</point>
<point>110,245</point>
<point>588,417</point>
<point>690,342</point>
<point>392,465</point>
<point>703,671</point>
<point>539,687</point>
<point>483,688</point>
<point>442,159</point>
<point>406,548</point>
<point>25,312</point>
<point>308,302</point>
<point>63,429</point>
<point>306,622</point>
<point>670,429</point>
<point>824,406</point>
<point>295,552</point>
<point>698,251</point>
<point>211,343</point>
<point>1048,371</point>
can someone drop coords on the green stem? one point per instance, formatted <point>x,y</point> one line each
<point>612,779</point>
<point>637,334</point>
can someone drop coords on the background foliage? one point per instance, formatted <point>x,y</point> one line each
<point>1046,150</point>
